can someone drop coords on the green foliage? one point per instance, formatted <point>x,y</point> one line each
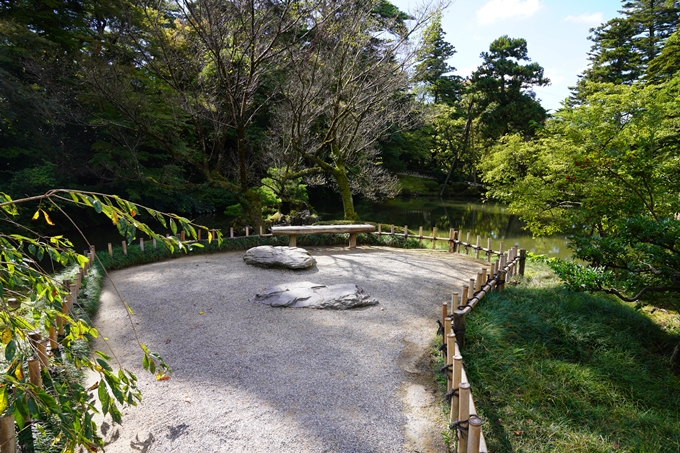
<point>608,173</point>
<point>558,371</point>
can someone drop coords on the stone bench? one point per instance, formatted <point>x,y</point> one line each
<point>293,231</point>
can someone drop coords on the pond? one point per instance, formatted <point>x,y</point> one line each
<point>489,220</point>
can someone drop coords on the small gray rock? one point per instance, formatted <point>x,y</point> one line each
<point>312,295</point>
<point>287,257</point>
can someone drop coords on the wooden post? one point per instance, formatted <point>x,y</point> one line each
<point>247,231</point>
<point>141,244</point>
<point>463,415</point>
<point>110,249</point>
<point>420,235</point>
<point>154,242</point>
<point>124,247</point>
<point>522,260</point>
<point>261,231</point>
<point>41,347</point>
<point>53,339</point>
<point>8,435</point>
<point>477,246</point>
<point>474,434</point>
<point>405,231</point>
<point>457,375</point>
<point>459,327</point>
<point>452,244</point>
<point>501,280</point>
<point>198,235</point>
<point>445,314</point>
<point>434,238</point>
<point>450,352</point>
<point>231,232</point>
<point>34,371</point>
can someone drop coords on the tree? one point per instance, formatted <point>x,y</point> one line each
<point>607,172</point>
<point>506,103</point>
<point>31,301</point>
<point>345,89</point>
<point>432,68</point>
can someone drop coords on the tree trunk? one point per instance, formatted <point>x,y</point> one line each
<point>340,176</point>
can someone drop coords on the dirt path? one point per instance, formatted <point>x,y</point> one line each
<point>251,378</point>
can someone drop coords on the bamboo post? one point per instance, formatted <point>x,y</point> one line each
<point>34,371</point>
<point>198,235</point>
<point>456,377</point>
<point>392,229</point>
<point>110,249</point>
<point>8,436</point>
<point>452,236</point>
<point>467,243</point>
<point>260,230</point>
<point>450,352</point>
<point>500,250</point>
<point>522,260</point>
<point>41,347</point>
<point>473,289</point>
<point>459,327</point>
<point>445,314</point>
<point>485,276</point>
<point>420,236</point>
<point>463,415</point>
<point>141,244</point>
<point>464,299</point>
<point>474,434</point>
<point>182,236</point>
<point>231,232</point>
<point>434,238</point>
<point>73,297</point>
<point>33,338</point>
<point>154,242</point>
<point>493,270</point>
<point>447,331</point>
<point>379,229</point>
<point>501,280</point>
<point>488,249</point>
<point>477,246</point>
<point>454,302</point>
<point>460,240</point>
<point>478,288</point>
<point>13,303</point>
<point>124,247</point>
<point>60,324</point>
<point>405,231</point>
<point>53,339</point>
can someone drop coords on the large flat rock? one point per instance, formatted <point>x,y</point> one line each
<point>285,257</point>
<point>312,295</point>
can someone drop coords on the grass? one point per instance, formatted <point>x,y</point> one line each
<point>413,185</point>
<point>557,371</point>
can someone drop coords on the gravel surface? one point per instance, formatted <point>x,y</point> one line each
<point>251,378</point>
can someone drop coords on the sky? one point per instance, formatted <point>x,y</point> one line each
<point>556,32</point>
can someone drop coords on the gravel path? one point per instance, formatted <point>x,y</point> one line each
<point>252,378</point>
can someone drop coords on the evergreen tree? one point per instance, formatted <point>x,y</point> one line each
<point>506,103</point>
<point>432,69</point>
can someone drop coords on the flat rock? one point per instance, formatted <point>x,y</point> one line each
<point>287,257</point>
<point>312,295</point>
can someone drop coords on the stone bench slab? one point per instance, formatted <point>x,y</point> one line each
<point>281,257</point>
<point>313,295</point>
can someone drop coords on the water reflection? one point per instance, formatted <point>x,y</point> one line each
<point>488,220</point>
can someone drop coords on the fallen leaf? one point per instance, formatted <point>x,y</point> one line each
<point>519,433</point>
<point>200,312</point>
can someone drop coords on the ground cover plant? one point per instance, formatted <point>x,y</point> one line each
<point>554,370</point>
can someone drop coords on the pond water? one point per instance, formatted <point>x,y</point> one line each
<point>489,220</point>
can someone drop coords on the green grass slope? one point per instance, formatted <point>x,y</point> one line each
<point>557,371</point>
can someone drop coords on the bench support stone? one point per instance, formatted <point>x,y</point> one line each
<point>293,231</point>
